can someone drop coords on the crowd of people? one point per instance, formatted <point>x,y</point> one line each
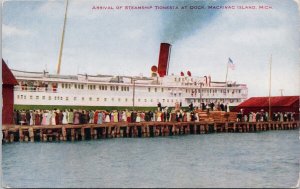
<point>58,117</point>
<point>263,116</point>
<point>162,114</point>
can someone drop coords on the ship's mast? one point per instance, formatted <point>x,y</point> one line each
<point>62,40</point>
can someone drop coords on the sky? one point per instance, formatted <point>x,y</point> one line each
<point>127,42</point>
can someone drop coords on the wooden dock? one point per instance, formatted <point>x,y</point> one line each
<point>18,133</point>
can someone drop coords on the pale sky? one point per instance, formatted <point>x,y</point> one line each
<point>126,42</point>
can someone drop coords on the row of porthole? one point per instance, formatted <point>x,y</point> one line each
<point>112,99</point>
<point>82,98</point>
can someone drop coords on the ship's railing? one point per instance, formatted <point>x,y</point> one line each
<point>216,95</point>
<point>35,89</point>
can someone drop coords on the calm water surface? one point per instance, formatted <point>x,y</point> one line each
<point>265,159</point>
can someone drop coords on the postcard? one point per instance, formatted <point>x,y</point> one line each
<point>76,73</point>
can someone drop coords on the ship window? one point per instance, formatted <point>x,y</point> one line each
<point>151,100</point>
<point>167,100</point>
<point>67,98</point>
<point>81,86</point>
<point>29,97</point>
<point>37,97</point>
<point>82,98</point>
<point>139,100</point>
<point>155,89</point>
<point>105,99</point>
<point>145,100</point>
<point>75,86</point>
<point>90,98</point>
<point>112,99</point>
<point>125,99</point>
<point>62,85</point>
<point>24,96</point>
<point>97,99</point>
<point>178,79</point>
<point>162,90</point>
<point>127,88</point>
<point>175,79</point>
<point>149,89</point>
<point>111,88</point>
<point>18,96</point>
<point>43,97</point>
<point>163,100</point>
<point>49,97</point>
<point>75,98</point>
<point>61,98</point>
<point>117,88</point>
<point>105,87</point>
<point>119,99</point>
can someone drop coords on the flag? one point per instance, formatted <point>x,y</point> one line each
<point>230,64</point>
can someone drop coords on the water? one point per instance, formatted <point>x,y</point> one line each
<point>265,159</point>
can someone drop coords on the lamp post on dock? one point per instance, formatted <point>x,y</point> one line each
<point>270,79</point>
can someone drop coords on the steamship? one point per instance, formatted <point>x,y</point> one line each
<point>43,88</point>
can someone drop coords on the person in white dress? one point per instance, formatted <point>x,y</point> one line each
<point>107,118</point>
<point>124,118</point>
<point>159,116</point>
<point>31,118</point>
<point>65,119</point>
<point>48,118</point>
<point>53,121</point>
<point>138,117</point>
<point>188,116</point>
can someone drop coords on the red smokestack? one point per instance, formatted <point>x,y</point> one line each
<point>164,57</point>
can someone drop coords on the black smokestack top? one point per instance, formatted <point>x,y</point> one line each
<point>164,58</point>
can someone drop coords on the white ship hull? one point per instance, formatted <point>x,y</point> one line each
<point>40,88</point>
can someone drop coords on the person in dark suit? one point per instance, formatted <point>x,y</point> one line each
<point>159,106</point>
<point>222,107</point>
<point>28,117</point>
<point>191,106</point>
